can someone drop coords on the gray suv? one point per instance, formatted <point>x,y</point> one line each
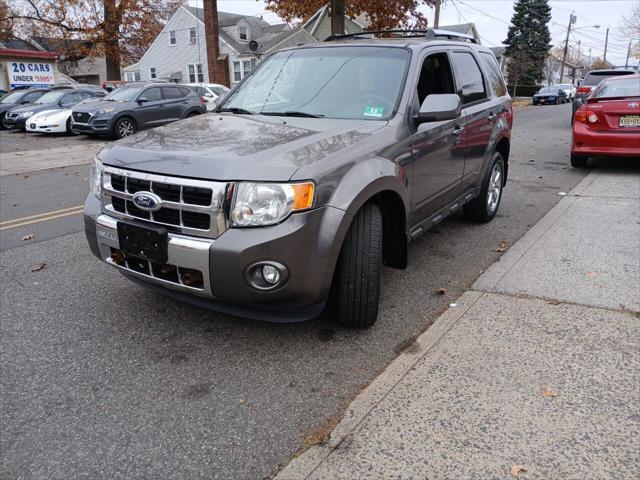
<point>316,170</point>
<point>134,107</point>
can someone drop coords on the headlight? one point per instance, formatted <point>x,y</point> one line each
<point>26,114</point>
<point>260,204</point>
<point>96,177</point>
<point>105,110</point>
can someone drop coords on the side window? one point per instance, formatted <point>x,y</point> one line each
<point>171,92</point>
<point>152,94</point>
<point>494,76</point>
<point>185,91</point>
<point>435,76</point>
<point>72,98</point>
<point>31,97</point>
<point>468,77</point>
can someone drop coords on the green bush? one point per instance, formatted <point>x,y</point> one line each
<point>524,90</point>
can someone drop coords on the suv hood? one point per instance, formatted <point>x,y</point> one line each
<point>92,106</point>
<point>237,147</point>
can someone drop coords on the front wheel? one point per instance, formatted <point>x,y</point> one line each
<point>125,127</point>
<point>484,207</point>
<point>69,130</point>
<point>357,280</point>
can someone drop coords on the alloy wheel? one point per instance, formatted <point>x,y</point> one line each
<point>495,188</point>
<point>125,128</point>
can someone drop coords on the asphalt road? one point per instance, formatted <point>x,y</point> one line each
<point>104,379</point>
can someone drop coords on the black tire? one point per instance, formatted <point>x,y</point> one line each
<point>356,286</point>
<point>193,114</point>
<point>124,127</point>
<point>69,131</point>
<point>579,161</point>
<point>2,127</point>
<point>482,209</point>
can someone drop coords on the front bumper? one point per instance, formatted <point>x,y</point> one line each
<point>307,243</point>
<point>14,122</point>
<point>598,143</point>
<point>97,125</point>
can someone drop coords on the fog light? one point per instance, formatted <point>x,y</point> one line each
<point>271,274</point>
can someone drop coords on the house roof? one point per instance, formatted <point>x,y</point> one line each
<point>17,44</point>
<point>262,32</point>
<point>466,28</point>
<point>20,48</point>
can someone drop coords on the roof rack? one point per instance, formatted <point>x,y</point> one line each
<point>429,33</point>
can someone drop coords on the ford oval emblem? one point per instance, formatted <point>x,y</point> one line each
<point>147,201</point>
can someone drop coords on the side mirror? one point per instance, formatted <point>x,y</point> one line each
<point>143,100</point>
<point>438,107</point>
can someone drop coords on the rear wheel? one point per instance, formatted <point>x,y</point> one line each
<point>357,280</point>
<point>124,127</point>
<point>579,161</point>
<point>484,207</point>
<point>69,131</point>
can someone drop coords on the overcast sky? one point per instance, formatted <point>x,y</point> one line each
<point>492,19</point>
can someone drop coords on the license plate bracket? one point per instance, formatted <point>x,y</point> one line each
<point>629,121</point>
<point>149,243</point>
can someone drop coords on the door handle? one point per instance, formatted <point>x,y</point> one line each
<point>491,117</point>
<point>457,130</point>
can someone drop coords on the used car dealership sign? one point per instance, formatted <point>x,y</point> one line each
<point>29,73</point>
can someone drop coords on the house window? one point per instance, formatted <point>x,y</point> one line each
<point>195,73</point>
<point>243,32</point>
<point>253,63</point>
<point>132,76</point>
<point>192,35</point>
<point>246,67</point>
<point>237,72</point>
<point>172,37</point>
<point>152,73</point>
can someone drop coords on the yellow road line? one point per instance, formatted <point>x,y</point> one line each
<point>42,217</point>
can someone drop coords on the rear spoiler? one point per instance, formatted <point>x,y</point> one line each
<point>605,99</point>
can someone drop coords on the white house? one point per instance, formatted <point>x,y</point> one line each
<point>179,53</point>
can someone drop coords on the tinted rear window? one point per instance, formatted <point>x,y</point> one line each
<point>468,77</point>
<point>596,77</point>
<point>493,73</point>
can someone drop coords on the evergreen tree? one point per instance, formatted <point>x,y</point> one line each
<point>528,40</point>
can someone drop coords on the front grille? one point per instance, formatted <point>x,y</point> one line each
<point>186,277</point>
<point>194,207</point>
<point>81,117</point>
<point>12,115</point>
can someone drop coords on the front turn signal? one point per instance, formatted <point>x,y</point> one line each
<point>303,196</point>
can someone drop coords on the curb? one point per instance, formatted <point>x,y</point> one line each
<point>304,465</point>
<point>488,281</point>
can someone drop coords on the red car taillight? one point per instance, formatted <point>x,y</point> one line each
<point>586,116</point>
<point>583,90</point>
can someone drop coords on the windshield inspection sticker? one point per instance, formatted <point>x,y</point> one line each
<point>373,111</point>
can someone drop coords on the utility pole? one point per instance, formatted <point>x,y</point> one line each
<point>626,63</point>
<point>337,17</point>
<point>589,63</point>
<point>436,19</point>
<point>606,44</point>
<point>572,20</point>
<point>218,66</point>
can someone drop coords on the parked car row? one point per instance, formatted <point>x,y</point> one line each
<point>130,107</point>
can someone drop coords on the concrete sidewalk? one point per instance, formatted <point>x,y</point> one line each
<point>12,163</point>
<point>534,373</point>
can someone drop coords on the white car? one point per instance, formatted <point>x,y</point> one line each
<point>209,93</point>
<point>569,89</point>
<point>50,121</point>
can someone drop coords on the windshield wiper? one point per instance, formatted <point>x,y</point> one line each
<point>292,113</point>
<point>237,110</point>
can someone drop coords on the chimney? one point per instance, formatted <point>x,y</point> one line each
<point>218,66</point>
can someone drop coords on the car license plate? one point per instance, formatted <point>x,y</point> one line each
<point>629,121</point>
<point>149,243</point>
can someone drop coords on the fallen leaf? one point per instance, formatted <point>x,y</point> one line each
<point>26,176</point>
<point>453,304</point>
<point>517,470</point>
<point>39,267</point>
<point>553,302</point>
<point>441,291</point>
<point>28,237</point>
<point>504,245</point>
<point>591,274</point>
<point>547,392</point>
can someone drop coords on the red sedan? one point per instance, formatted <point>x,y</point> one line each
<point>608,124</point>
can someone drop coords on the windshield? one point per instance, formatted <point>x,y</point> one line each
<point>124,94</point>
<point>13,97</point>
<point>51,97</point>
<point>549,90</point>
<point>565,86</point>
<point>332,82</point>
<point>629,87</point>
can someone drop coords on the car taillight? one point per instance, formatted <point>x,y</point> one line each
<point>584,89</point>
<point>592,117</point>
<point>203,100</point>
<point>580,116</point>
